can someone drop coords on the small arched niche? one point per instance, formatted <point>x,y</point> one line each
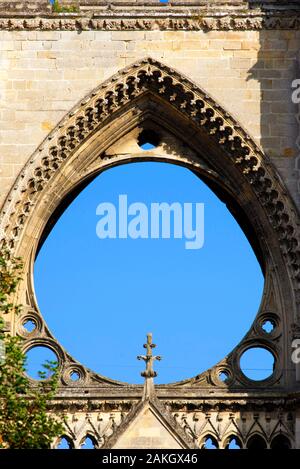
<point>256,442</point>
<point>280,442</point>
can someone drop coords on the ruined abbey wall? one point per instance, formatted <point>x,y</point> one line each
<point>245,55</point>
<point>45,72</point>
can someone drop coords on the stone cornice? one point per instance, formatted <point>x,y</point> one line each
<point>156,16</point>
<point>219,403</point>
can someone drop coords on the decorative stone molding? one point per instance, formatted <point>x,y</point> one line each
<point>79,147</point>
<point>97,425</point>
<point>117,24</point>
<point>169,421</point>
<point>150,75</point>
<point>192,426</point>
<point>153,16</point>
<point>202,406</point>
<point>224,425</point>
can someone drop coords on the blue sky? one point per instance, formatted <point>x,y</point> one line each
<point>101,297</point>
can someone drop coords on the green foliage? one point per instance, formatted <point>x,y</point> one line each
<point>10,271</point>
<point>25,422</point>
<point>58,8</point>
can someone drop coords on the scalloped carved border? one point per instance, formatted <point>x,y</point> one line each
<point>150,76</point>
<point>184,95</point>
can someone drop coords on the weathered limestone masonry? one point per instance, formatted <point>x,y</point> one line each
<point>213,79</point>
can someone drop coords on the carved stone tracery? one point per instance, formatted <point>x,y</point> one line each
<point>137,91</point>
<point>150,76</point>
<point>79,146</point>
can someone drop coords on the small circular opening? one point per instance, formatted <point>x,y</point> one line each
<point>148,139</point>
<point>223,376</point>
<point>268,326</point>
<point>257,363</point>
<point>74,376</point>
<point>29,325</point>
<point>39,362</point>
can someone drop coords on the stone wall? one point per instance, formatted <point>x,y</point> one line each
<point>44,73</point>
<point>244,54</point>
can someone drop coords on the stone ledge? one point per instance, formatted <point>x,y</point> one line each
<point>174,19</point>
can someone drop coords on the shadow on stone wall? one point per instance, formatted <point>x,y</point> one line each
<point>276,68</point>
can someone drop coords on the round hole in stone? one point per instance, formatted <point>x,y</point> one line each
<point>257,363</point>
<point>74,375</point>
<point>29,325</point>
<point>36,358</point>
<point>268,326</point>
<point>223,376</point>
<point>148,139</point>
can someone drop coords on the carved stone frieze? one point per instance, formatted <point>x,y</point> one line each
<point>119,24</point>
<point>148,16</point>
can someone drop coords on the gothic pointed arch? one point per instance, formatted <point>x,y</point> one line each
<point>149,95</point>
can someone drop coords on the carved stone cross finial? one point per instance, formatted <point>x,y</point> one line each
<point>149,358</point>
